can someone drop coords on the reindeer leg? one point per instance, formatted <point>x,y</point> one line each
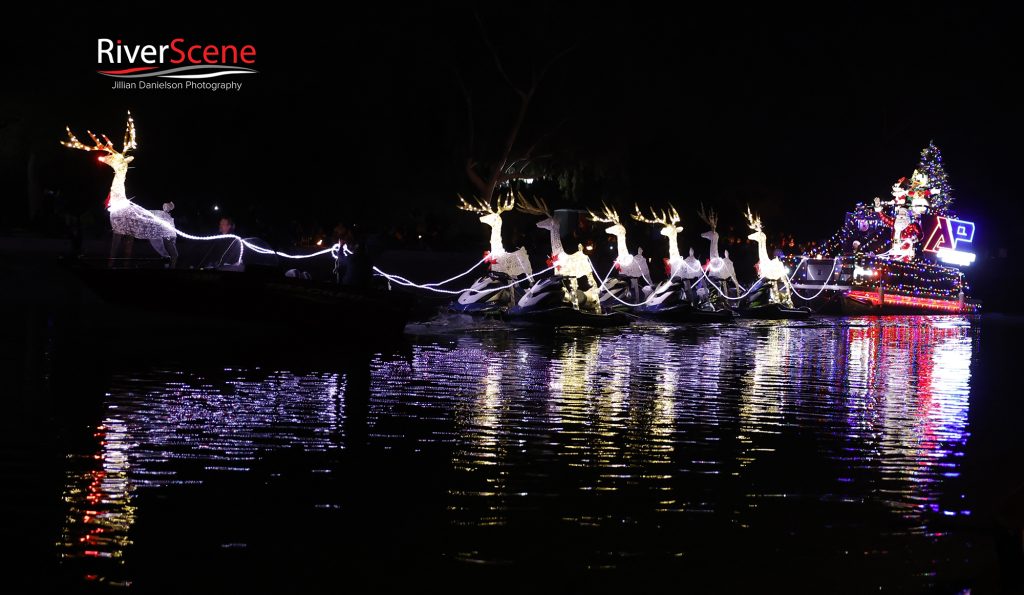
<point>115,248</point>
<point>789,291</point>
<point>171,246</point>
<point>129,244</point>
<point>593,292</point>
<point>573,295</point>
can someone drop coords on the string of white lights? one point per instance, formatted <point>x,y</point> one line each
<point>406,283</point>
<point>333,251</point>
<point>403,281</point>
<point>241,240</point>
<point>835,262</point>
<point>605,287</point>
<point>719,289</point>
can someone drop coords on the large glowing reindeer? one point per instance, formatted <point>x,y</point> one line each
<point>677,290</point>
<point>770,270</point>
<point>569,267</point>
<point>513,264</point>
<point>127,219</point>
<point>494,291</point>
<point>720,270</point>
<point>632,280</point>
<point>667,219</point>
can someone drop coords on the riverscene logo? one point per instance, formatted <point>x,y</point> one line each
<point>180,63</point>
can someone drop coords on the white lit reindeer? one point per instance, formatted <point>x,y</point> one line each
<point>632,281</point>
<point>770,270</point>
<point>720,270</point>
<point>567,267</point>
<point>681,272</point>
<point>668,220</point>
<point>505,267</point>
<point>127,219</point>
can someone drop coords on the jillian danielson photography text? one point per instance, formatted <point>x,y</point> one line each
<point>177,85</point>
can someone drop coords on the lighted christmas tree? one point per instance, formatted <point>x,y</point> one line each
<point>931,165</point>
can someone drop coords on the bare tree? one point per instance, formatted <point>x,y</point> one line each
<point>507,166</point>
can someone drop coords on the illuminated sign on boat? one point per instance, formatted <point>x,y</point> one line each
<point>947,235</point>
<point>955,257</point>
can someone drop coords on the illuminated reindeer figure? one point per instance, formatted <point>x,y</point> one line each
<point>770,269</point>
<point>513,264</point>
<point>127,219</point>
<point>569,266</point>
<point>627,264</point>
<point>630,267</point>
<point>719,269</point>
<point>667,220</point>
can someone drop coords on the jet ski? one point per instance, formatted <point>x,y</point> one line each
<point>677,300</point>
<point>759,304</point>
<point>619,292</point>
<point>489,295</point>
<point>550,302</point>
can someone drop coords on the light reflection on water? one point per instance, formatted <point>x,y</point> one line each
<point>602,447</point>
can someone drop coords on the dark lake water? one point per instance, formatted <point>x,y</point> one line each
<point>848,455</point>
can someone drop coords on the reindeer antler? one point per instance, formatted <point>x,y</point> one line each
<point>480,207</point>
<point>534,207</point>
<point>709,217</point>
<point>666,217</point>
<point>105,145</point>
<point>505,205</point>
<point>753,221</point>
<point>642,219</point>
<point>609,215</point>
<point>129,135</point>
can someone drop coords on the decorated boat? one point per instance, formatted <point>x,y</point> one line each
<point>905,255</point>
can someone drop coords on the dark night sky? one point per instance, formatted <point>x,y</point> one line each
<point>798,112</point>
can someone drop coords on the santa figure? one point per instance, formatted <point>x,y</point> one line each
<point>906,232</point>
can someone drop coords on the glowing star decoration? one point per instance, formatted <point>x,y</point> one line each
<point>571,266</point>
<point>947,236</point>
<point>771,269</point>
<point>127,218</point>
<point>721,270</point>
<point>513,264</point>
<point>667,219</point>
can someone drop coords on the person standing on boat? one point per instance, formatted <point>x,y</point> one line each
<point>232,247</point>
<point>353,266</point>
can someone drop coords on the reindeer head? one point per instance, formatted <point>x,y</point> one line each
<point>610,216</point>
<point>538,207</point>
<point>755,224</point>
<point>667,219</point>
<point>711,218</point>
<point>488,215</point>
<point>117,160</point>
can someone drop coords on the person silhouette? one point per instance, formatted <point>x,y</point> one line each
<point>353,266</point>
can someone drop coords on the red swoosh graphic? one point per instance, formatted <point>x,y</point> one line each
<point>127,70</point>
